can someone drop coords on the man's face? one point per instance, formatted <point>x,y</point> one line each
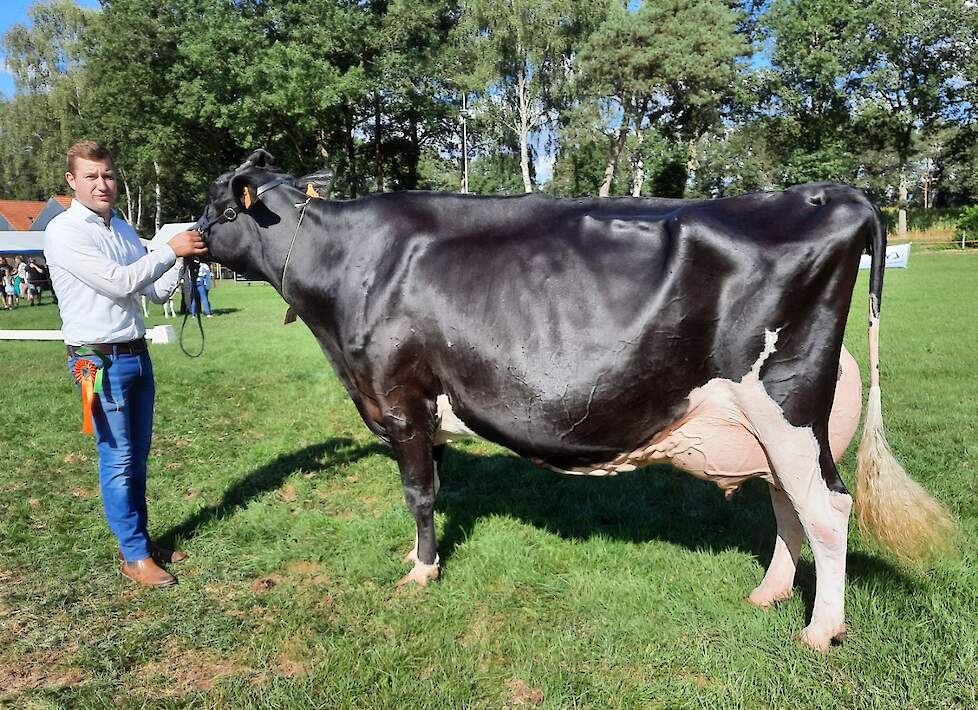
<point>94,184</point>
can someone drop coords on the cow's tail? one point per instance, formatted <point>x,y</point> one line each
<point>890,506</point>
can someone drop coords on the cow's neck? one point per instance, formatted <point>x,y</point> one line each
<point>278,239</point>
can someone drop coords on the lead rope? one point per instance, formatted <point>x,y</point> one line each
<point>193,269</point>
<point>288,256</point>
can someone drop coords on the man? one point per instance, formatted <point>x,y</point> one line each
<point>36,280</point>
<point>98,270</point>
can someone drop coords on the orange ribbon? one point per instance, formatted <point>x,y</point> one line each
<point>85,372</point>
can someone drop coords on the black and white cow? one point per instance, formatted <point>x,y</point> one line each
<point>595,336</point>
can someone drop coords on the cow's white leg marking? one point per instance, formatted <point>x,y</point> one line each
<point>780,577</point>
<point>412,556</point>
<point>421,573</point>
<point>824,516</point>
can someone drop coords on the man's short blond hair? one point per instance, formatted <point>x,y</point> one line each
<point>87,150</point>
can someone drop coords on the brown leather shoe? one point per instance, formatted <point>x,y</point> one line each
<point>161,555</point>
<point>147,573</point>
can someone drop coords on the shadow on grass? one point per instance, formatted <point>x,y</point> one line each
<point>271,476</point>
<point>656,503</point>
<point>214,311</point>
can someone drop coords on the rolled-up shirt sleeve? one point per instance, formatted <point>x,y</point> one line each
<point>77,255</point>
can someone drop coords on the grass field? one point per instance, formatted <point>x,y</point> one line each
<point>557,592</point>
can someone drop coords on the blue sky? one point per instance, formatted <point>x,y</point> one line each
<point>14,12</point>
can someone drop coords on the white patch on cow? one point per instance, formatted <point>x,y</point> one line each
<point>420,574</point>
<point>449,427</point>
<point>770,340</point>
<point>714,439</point>
<point>824,516</point>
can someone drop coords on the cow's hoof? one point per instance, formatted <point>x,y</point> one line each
<point>820,637</point>
<point>766,598</point>
<point>420,575</point>
<point>412,556</point>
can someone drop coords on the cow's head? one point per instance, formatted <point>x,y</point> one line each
<point>237,191</point>
<point>247,203</point>
<point>236,210</point>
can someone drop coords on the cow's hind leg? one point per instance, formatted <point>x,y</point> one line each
<point>824,514</point>
<point>410,429</point>
<point>780,576</point>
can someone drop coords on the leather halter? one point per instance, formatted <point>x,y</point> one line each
<point>203,226</point>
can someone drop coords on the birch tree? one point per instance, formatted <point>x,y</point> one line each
<point>524,45</point>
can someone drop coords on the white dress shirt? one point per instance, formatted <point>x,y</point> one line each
<point>99,272</point>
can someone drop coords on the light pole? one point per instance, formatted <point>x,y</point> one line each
<point>463,116</point>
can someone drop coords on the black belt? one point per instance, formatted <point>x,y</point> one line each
<point>131,347</point>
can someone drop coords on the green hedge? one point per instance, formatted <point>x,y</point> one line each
<point>921,220</point>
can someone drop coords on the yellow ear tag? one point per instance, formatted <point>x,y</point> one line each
<point>248,198</point>
<point>311,191</point>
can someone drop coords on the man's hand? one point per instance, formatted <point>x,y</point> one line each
<point>188,243</point>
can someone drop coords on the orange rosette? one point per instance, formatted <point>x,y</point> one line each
<point>86,374</point>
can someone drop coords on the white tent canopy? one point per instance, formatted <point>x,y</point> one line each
<point>167,232</point>
<point>21,242</point>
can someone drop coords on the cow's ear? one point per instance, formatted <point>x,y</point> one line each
<point>318,184</point>
<point>244,190</point>
<point>248,197</point>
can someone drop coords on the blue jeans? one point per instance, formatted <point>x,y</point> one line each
<point>123,418</point>
<point>204,303</point>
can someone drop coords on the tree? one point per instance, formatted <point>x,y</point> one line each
<point>130,77</point>
<point>523,46</point>
<point>912,75</point>
<point>669,64</point>
<point>858,86</point>
<point>48,111</point>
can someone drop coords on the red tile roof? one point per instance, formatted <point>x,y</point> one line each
<point>20,214</point>
<point>63,200</point>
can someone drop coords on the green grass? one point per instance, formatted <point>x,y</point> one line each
<point>573,593</point>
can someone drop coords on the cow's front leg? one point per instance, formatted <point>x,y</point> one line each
<point>410,431</point>
<point>780,577</point>
<point>438,453</point>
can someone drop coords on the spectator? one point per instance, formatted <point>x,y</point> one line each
<point>36,277</point>
<point>204,284</point>
<point>9,297</point>
<point>21,267</point>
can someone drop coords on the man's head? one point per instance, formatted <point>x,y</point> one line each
<point>92,176</point>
